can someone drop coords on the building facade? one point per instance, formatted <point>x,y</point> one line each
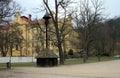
<point>32,35</point>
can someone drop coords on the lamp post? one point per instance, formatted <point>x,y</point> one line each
<point>47,57</point>
<point>46,17</point>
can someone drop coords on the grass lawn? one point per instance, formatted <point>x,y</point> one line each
<point>31,64</point>
<point>3,66</point>
<point>67,62</point>
<point>90,60</point>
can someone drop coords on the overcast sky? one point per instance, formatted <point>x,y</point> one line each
<point>112,7</point>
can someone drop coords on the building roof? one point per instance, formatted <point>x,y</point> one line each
<point>47,53</point>
<point>24,18</point>
<point>28,19</point>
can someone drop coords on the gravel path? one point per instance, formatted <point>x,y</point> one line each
<point>110,69</point>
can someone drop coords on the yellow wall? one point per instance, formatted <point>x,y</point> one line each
<point>30,42</point>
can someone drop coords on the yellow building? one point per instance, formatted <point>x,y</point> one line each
<point>30,32</point>
<point>33,35</point>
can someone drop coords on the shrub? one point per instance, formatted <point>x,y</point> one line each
<point>70,52</point>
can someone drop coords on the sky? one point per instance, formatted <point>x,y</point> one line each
<point>112,8</point>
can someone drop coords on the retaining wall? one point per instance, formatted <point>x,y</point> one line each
<point>17,59</point>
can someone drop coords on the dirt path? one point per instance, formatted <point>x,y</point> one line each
<point>110,69</point>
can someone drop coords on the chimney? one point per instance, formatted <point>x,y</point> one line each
<point>29,17</point>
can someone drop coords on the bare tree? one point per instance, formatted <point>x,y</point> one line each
<point>4,48</point>
<point>7,9</point>
<point>99,42</point>
<point>106,37</point>
<point>15,38</point>
<point>112,31</point>
<point>40,34</point>
<point>57,5</point>
<point>89,15</point>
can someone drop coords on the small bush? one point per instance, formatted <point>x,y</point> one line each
<point>105,54</point>
<point>70,52</point>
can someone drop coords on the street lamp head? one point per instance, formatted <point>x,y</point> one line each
<point>46,16</point>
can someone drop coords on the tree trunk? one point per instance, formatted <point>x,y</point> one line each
<point>61,55</point>
<point>3,52</point>
<point>99,55</point>
<point>20,51</point>
<point>11,54</point>
<point>85,46</point>
<point>85,54</point>
<point>64,49</point>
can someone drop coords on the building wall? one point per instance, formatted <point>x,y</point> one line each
<point>17,59</point>
<point>31,33</point>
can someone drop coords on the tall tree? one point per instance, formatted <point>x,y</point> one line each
<point>40,36</point>
<point>99,42</point>
<point>89,15</point>
<point>57,5</point>
<point>15,38</point>
<point>4,45</point>
<point>7,9</point>
<point>112,30</point>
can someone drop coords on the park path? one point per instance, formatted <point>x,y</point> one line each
<point>109,69</point>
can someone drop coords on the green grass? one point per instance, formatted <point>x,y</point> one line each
<point>73,61</point>
<point>70,61</point>
<point>31,64</point>
<point>95,59</point>
<point>90,60</point>
<point>3,66</point>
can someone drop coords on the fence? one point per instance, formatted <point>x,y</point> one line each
<point>17,59</point>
